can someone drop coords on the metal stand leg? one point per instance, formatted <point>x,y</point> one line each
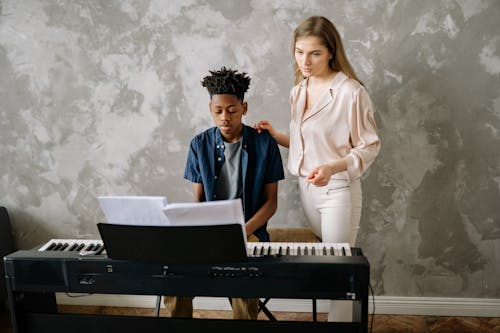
<point>158,305</point>
<point>263,308</point>
<point>314,310</point>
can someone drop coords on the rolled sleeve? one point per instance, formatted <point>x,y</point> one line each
<point>365,141</point>
<point>274,170</point>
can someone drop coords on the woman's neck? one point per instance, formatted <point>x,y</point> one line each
<point>322,79</point>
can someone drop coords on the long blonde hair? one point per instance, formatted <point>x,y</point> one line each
<point>323,28</point>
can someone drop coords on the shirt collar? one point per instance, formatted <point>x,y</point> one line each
<point>336,82</point>
<point>219,140</point>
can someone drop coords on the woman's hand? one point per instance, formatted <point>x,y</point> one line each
<point>321,175</point>
<point>265,125</point>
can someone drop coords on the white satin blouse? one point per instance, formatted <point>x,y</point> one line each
<point>340,125</point>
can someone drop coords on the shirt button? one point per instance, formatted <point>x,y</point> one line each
<point>215,177</point>
<point>219,158</point>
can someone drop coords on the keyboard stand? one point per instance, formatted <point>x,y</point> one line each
<point>263,308</point>
<point>158,305</point>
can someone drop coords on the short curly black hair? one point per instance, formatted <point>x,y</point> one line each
<point>226,81</point>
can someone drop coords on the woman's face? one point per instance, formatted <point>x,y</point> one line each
<point>312,56</point>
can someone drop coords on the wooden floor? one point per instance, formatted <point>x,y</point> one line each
<point>381,323</point>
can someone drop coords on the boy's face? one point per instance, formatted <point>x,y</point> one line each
<point>227,111</point>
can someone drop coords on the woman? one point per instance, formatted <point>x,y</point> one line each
<point>333,136</point>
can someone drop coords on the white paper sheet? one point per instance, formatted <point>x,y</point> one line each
<point>206,213</point>
<point>134,210</point>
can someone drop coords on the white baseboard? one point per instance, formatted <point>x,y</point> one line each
<point>429,306</point>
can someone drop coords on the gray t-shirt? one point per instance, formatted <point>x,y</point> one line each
<point>229,184</point>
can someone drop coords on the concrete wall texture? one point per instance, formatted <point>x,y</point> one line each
<point>102,97</point>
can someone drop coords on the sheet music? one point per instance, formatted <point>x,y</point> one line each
<point>134,210</point>
<point>206,213</point>
<point>155,211</point>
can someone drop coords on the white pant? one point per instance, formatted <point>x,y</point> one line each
<point>334,212</point>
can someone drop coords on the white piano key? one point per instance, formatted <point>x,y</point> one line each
<point>347,248</point>
<point>320,249</point>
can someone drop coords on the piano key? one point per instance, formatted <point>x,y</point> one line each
<point>253,248</point>
<point>347,248</point>
<point>337,250</point>
<point>100,249</point>
<point>298,249</point>
<point>57,247</point>
<point>51,246</point>
<point>71,245</point>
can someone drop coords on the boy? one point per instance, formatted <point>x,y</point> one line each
<point>229,161</point>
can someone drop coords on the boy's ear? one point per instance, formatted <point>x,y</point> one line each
<point>245,108</point>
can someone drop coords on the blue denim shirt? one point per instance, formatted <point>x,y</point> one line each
<point>260,164</point>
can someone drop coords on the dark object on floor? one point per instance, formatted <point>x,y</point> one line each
<point>6,247</point>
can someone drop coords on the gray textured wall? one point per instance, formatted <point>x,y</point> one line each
<point>102,97</point>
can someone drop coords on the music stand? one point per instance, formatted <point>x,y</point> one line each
<point>205,244</point>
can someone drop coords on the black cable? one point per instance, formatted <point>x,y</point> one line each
<point>373,308</point>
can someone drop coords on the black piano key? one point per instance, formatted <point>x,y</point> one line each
<point>255,250</point>
<point>313,251</point>
<point>306,251</point>
<point>280,250</point>
<point>73,247</point>
<point>269,250</point>
<point>261,250</point>
<point>343,251</point>
<point>51,247</point>
<point>80,247</point>
<point>325,252</point>
<point>64,246</point>
<point>332,251</point>
<point>57,247</point>
<point>298,251</point>
<point>89,247</point>
<point>288,250</point>
<point>99,249</point>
